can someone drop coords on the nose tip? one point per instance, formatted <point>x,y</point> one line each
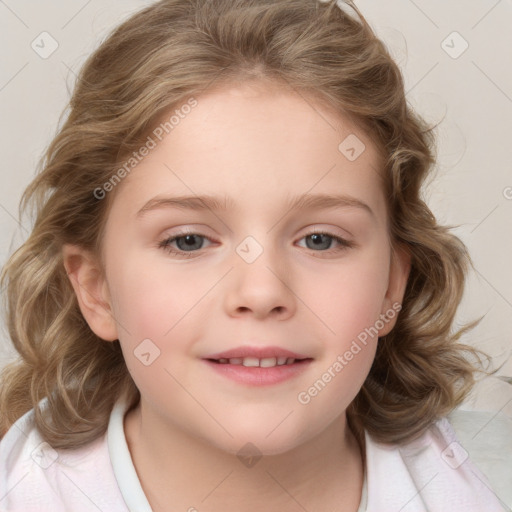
<point>256,288</point>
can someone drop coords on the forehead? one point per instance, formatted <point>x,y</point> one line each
<point>271,107</point>
<point>251,140</point>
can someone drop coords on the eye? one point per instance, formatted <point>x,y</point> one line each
<point>322,240</point>
<point>187,243</point>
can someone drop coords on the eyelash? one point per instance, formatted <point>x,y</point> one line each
<point>165,244</point>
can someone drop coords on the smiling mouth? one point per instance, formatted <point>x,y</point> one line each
<point>254,362</point>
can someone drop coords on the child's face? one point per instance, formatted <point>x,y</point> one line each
<point>256,278</point>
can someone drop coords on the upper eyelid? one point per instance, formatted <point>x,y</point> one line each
<point>198,232</point>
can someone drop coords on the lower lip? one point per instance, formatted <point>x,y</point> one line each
<point>257,376</point>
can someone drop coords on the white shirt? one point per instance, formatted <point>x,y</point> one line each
<point>431,474</point>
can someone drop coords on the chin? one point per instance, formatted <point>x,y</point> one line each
<point>259,442</point>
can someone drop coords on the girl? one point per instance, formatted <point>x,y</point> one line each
<point>233,296</point>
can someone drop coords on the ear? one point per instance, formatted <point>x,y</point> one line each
<point>91,289</point>
<point>400,267</point>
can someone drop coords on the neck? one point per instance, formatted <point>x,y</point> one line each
<point>325,473</point>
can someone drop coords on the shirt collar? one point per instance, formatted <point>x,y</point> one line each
<point>124,470</point>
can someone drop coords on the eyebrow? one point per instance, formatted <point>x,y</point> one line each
<point>214,203</point>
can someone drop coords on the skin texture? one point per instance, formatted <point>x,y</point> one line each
<point>259,145</point>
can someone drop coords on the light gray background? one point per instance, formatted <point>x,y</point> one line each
<point>472,90</point>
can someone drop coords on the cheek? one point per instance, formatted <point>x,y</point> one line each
<point>350,299</point>
<point>153,314</point>
<point>349,306</point>
<point>147,298</point>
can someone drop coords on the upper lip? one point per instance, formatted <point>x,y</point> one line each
<point>259,352</point>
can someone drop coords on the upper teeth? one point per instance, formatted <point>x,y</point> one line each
<point>266,362</point>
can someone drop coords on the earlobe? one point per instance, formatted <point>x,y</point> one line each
<point>91,289</point>
<point>399,271</point>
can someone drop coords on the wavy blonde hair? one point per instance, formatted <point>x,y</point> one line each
<point>154,61</point>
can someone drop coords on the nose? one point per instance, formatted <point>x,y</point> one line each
<point>260,289</point>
